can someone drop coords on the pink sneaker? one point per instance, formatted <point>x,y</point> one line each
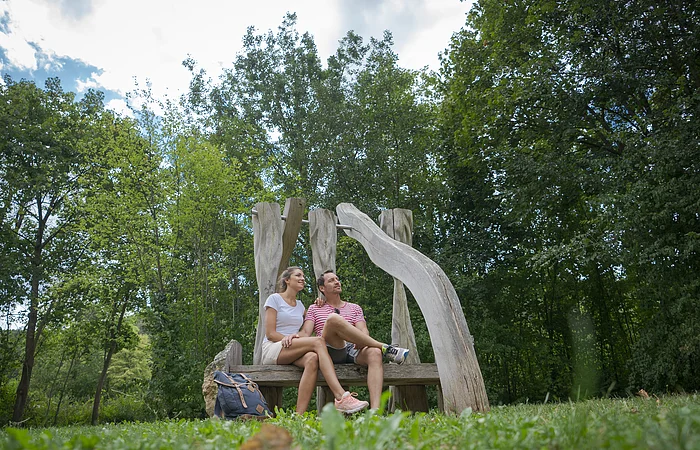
<point>348,404</point>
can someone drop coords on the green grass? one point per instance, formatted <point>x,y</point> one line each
<point>667,423</point>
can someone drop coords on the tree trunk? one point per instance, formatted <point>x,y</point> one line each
<point>105,367</point>
<point>30,345</point>
<point>53,385</point>
<point>63,389</point>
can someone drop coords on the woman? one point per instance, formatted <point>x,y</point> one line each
<point>284,315</point>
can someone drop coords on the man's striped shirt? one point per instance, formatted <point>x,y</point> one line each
<point>350,311</point>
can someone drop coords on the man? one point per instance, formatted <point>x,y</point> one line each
<point>342,325</point>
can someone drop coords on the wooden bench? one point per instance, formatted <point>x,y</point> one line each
<point>273,379</point>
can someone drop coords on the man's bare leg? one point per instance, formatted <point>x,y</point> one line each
<point>336,331</point>
<point>372,359</point>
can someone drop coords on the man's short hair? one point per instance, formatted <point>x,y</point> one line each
<point>322,279</point>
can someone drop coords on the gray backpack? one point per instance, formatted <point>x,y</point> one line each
<point>238,396</point>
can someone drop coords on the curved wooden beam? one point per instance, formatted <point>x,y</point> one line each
<point>460,375</point>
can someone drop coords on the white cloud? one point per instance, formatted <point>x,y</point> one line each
<point>17,50</point>
<point>119,106</point>
<point>148,39</point>
<point>89,83</point>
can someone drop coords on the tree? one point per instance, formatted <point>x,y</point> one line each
<point>46,164</point>
<point>558,114</point>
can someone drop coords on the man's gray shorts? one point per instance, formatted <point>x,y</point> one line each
<point>346,355</point>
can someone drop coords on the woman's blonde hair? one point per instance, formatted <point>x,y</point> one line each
<point>286,275</point>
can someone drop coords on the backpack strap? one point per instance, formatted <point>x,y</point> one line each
<point>234,385</point>
<point>246,378</point>
<point>251,385</point>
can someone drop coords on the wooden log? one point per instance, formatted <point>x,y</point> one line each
<point>348,374</point>
<point>398,224</point>
<point>293,211</point>
<point>460,375</point>
<point>324,238</point>
<point>267,247</point>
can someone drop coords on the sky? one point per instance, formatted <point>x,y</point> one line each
<point>111,44</point>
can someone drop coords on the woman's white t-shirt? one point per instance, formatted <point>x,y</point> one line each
<point>289,318</point>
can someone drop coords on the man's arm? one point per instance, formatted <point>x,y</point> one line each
<point>309,320</point>
<point>307,328</point>
<point>362,326</point>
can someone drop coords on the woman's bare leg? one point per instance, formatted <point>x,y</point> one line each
<point>301,346</point>
<point>308,362</point>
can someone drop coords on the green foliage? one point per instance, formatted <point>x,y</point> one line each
<point>570,152</point>
<point>670,422</point>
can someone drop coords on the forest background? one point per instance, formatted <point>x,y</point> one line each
<point>551,164</point>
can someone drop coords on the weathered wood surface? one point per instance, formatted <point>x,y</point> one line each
<point>453,345</point>
<point>323,235</point>
<point>324,241</point>
<point>273,243</point>
<point>398,224</point>
<point>294,212</point>
<point>348,374</point>
<point>267,246</point>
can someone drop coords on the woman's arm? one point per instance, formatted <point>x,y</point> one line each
<point>271,329</point>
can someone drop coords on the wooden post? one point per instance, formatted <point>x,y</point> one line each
<point>234,356</point>
<point>293,211</point>
<point>267,247</point>
<point>453,345</point>
<point>324,238</point>
<point>273,244</point>
<point>398,224</point>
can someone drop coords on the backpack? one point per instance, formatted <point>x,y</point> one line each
<point>238,396</point>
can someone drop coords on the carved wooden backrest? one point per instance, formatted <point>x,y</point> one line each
<point>274,241</point>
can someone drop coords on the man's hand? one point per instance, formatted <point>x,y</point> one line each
<point>287,340</point>
<point>319,302</point>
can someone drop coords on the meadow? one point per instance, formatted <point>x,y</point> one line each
<point>668,422</point>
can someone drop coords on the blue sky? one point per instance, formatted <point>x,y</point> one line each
<point>111,44</point>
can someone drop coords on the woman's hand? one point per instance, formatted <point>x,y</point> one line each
<point>287,340</point>
<point>319,302</point>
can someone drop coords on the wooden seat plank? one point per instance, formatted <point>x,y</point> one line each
<point>348,374</point>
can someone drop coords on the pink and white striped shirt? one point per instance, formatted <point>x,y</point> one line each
<point>350,311</point>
